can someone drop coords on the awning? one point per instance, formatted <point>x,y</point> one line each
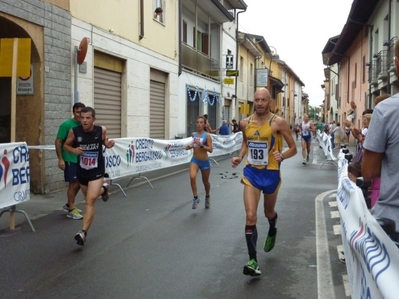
<point>277,84</point>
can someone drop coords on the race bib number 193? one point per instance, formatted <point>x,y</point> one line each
<point>258,153</point>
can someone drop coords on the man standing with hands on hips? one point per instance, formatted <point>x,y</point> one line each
<point>87,142</point>
<point>263,134</point>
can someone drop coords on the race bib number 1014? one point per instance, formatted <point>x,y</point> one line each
<point>88,160</point>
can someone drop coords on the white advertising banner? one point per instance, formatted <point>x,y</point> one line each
<point>14,174</point>
<point>372,259</point>
<point>134,155</point>
<point>325,143</point>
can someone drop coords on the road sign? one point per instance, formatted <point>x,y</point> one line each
<point>25,84</point>
<point>233,73</point>
<point>262,77</point>
<point>228,81</point>
<point>229,62</point>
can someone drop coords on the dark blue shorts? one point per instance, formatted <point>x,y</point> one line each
<point>70,172</point>
<point>307,139</point>
<point>203,165</point>
<point>268,181</point>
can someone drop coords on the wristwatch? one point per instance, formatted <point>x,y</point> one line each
<point>282,157</point>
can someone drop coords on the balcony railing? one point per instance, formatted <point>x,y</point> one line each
<point>381,64</point>
<point>373,72</point>
<point>390,53</point>
<point>200,63</point>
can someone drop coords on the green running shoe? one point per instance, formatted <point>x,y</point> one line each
<point>270,241</point>
<point>252,268</point>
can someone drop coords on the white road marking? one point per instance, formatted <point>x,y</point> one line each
<point>337,229</point>
<point>346,285</point>
<point>325,285</point>
<point>333,203</point>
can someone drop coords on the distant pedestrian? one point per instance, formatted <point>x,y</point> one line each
<point>236,126</point>
<point>208,127</point>
<point>337,133</point>
<point>224,128</point>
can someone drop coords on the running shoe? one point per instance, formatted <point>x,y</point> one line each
<point>80,238</point>
<point>304,162</point>
<point>66,208</point>
<point>74,214</point>
<point>307,158</point>
<point>270,241</point>
<point>252,268</point>
<point>196,202</point>
<point>207,202</point>
<point>105,195</point>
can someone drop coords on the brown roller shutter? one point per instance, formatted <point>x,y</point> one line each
<point>107,100</point>
<point>157,110</point>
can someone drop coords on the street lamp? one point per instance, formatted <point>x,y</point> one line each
<point>275,55</point>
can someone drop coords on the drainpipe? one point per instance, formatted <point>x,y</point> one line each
<point>235,83</point>
<point>389,39</point>
<point>348,80</point>
<point>179,41</point>
<point>141,35</point>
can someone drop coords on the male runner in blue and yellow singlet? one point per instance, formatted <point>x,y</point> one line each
<point>263,134</point>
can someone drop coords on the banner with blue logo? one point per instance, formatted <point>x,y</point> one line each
<point>14,174</point>
<point>137,155</point>
<point>372,259</point>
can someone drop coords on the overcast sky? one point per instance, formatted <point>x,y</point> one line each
<point>299,31</point>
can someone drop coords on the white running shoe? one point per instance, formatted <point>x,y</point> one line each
<point>74,214</point>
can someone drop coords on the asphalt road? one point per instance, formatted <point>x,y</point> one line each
<point>151,244</point>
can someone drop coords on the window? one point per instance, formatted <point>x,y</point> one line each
<point>364,69</point>
<point>251,74</point>
<point>355,74</point>
<point>185,32</point>
<point>241,73</point>
<point>159,10</point>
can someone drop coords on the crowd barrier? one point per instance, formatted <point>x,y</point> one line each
<point>372,258</point>
<point>130,157</point>
<point>325,143</point>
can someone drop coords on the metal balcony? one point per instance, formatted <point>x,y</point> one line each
<point>381,64</point>
<point>373,73</point>
<point>200,63</point>
<point>390,53</point>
